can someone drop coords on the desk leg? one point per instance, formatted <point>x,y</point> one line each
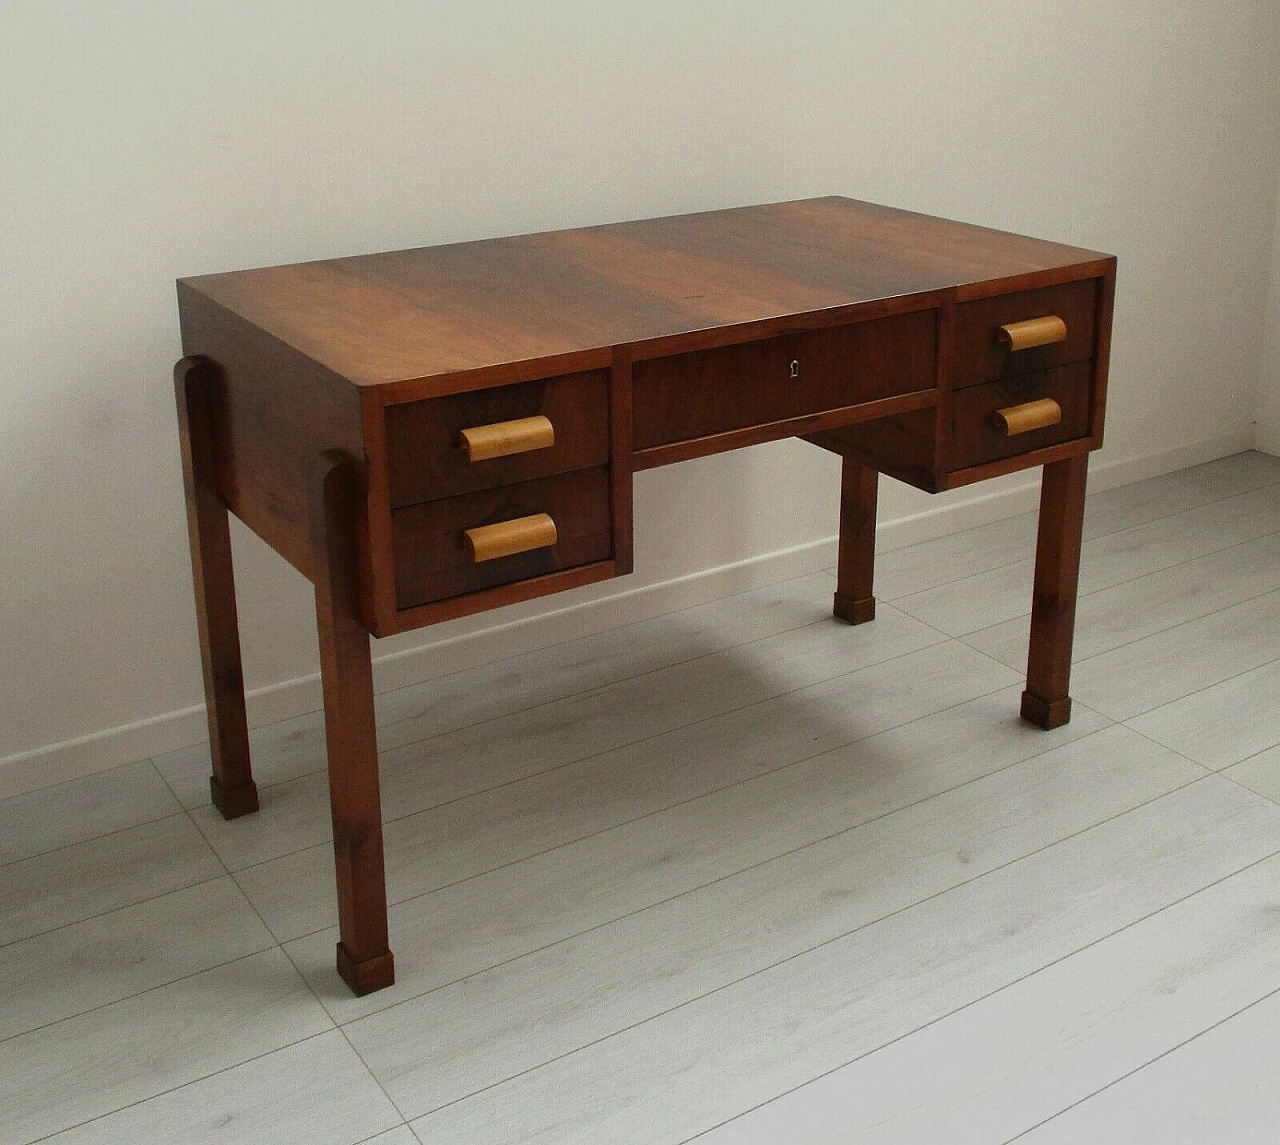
<point>1053,608</point>
<point>364,957</point>
<point>854,601</point>
<point>231,784</point>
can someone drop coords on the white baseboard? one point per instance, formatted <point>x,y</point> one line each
<point>112,747</point>
<point>1266,438</point>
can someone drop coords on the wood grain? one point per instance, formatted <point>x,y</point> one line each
<point>423,452</point>
<point>713,391</point>
<point>982,356</point>
<point>346,675</point>
<point>854,599</point>
<point>290,894</point>
<point>433,560</point>
<point>691,1067</point>
<point>500,1024</point>
<point>231,785</point>
<point>269,431</point>
<point>692,810</point>
<point>1112,1008</point>
<point>633,344</point>
<point>441,312</point>
<point>195,1027</point>
<point>977,436</point>
<point>1053,604</point>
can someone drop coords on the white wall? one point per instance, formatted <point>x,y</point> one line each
<point>143,139</point>
<point>1268,408</point>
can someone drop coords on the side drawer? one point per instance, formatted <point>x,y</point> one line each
<point>706,392</point>
<point>977,435</point>
<point>432,557</point>
<point>981,356</point>
<point>426,459</point>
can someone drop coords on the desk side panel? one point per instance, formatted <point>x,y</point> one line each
<point>275,411</point>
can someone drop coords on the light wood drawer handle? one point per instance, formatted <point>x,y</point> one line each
<point>1033,332</point>
<point>503,438</point>
<point>506,538</point>
<point>1039,414</point>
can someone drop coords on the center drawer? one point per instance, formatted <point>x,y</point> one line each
<point>706,392</point>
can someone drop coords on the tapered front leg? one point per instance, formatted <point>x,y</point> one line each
<point>854,601</point>
<point>364,957</point>
<point>231,785</point>
<point>1046,701</point>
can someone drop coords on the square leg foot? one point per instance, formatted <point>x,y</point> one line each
<point>1047,714</point>
<point>365,977</point>
<point>234,801</point>
<point>854,611</point>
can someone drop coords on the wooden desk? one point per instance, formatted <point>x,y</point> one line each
<point>430,433</point>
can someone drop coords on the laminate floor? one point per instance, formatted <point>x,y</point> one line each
<point>739,874</point>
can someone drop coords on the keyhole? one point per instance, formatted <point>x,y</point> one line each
<point>795,368</point>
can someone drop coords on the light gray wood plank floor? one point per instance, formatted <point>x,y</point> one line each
<point>738,874</point>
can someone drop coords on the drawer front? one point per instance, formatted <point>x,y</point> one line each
<point>433,559</point>
<point>983,356</point>
<point>427,460</point>
<point>977,432</point>
<point>706,392</point>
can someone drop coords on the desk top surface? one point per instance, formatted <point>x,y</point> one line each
<point>444,310</point>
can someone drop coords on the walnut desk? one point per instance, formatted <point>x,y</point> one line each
<point>429,433</point>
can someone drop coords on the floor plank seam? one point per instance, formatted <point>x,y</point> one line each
<point>1245,786</point>
<point>1203,767</point>
<point>402,1125</point>
<point>1251,491</point>
<point>301,746</point>
<point>1199,692</point>
<point>169,786</point>
<point>112,911</point>
<point>966,637</point>
<point>165,986</point>
<point>693,799</point>
<point>1138,1069</point>
<point>1021,978</point>
<point>274,937</point>
<point>901,602</point>
<point>190,812</point>
<point>280,942</point>
<point>840,937</point>
<point>1180,624</point>
<point>890,601</point>
<point>390,816</point>
<point>176,1088</point>
<point>561,698</point>
<point>91,839</point>
<point>376,1081</point>
<point>318,714</point>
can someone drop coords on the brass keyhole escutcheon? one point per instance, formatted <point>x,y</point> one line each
<point>795,367</point>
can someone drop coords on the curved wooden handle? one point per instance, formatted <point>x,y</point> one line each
<point>1023,418</point>
<point>506,538</point>
<point>1033,332</point>
<point>503,438</point>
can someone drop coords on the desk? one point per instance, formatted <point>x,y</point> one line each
<point>430,433</point>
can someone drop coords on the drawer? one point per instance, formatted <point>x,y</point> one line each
<point>433,559</point>
<point>427,460</point>
<point>981,353</point>
<point>706,392</point>
<point>977,435</point>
